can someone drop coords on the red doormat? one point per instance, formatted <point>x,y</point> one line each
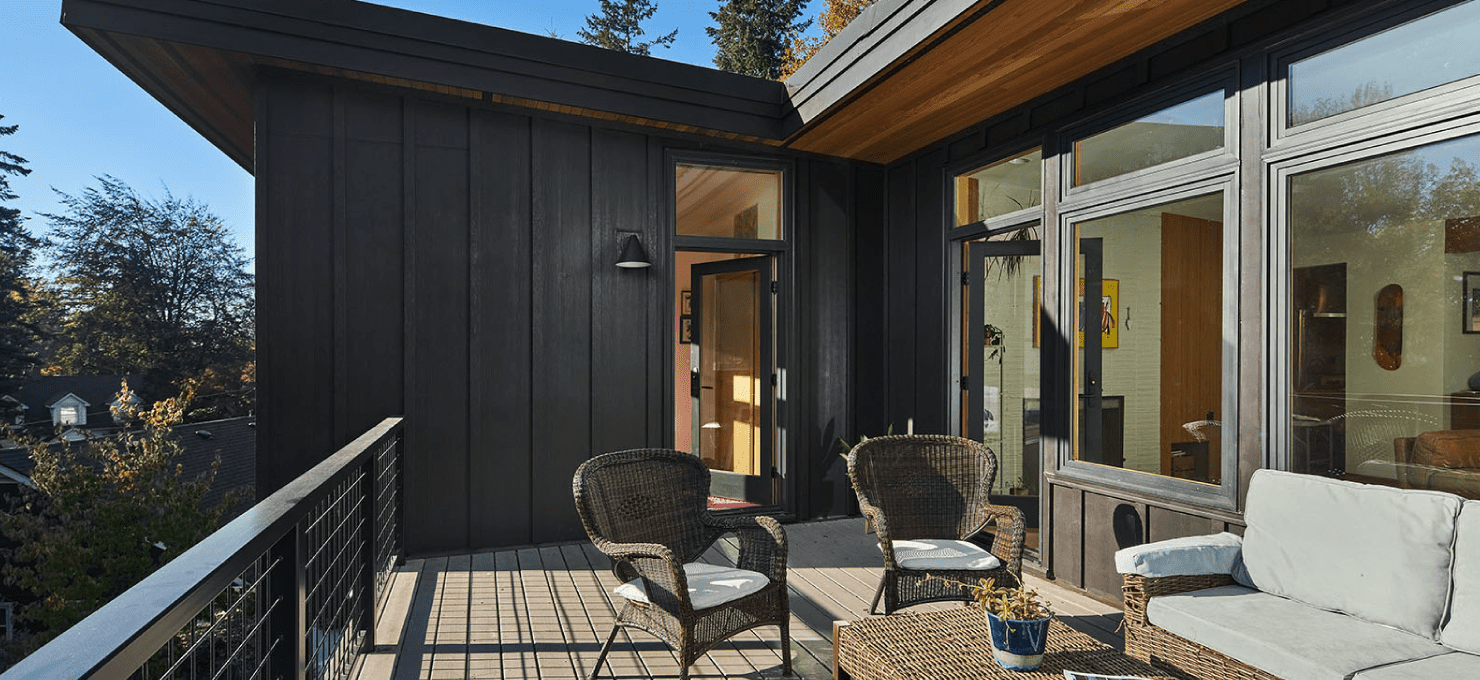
<point>721,503</point>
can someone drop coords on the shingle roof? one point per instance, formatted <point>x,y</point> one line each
<point>97,390</point>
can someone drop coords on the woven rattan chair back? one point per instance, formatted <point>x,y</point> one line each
<point>929,486</point>
<point>646,496</point>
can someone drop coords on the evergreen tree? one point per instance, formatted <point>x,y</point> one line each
<point>752,36</point>
<point>619,26</point>
<point>834,18</point>
<point>18,337</point>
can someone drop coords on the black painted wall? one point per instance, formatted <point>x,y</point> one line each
<point>453,262</point>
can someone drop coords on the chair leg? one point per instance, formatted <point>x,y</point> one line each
<point>786,645</point>
<point>604,649</point>
<point>874,606</point>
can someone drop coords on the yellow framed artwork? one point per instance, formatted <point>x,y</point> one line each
<point>1109,305</point>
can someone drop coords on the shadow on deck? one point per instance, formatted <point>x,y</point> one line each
<point>543,612</point>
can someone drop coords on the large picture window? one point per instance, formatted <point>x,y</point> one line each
<point>1382,251</point>
<point>1149,357</point>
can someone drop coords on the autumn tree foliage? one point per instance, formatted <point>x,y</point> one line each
<point>105,513</point>
<point>618,26</point>
<point>751,36</point>
<point>833,18</point>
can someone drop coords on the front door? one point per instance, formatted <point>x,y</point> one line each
<point>1003,409</point>
<point>731,374</point>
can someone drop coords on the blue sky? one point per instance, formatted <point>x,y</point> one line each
<point>80,117</point>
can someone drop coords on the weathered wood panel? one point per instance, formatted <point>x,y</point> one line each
<point>1108,523</point>
<point>437,408</point>
<point>1067,539</point>
<point>826,338</point>
<point>561,391</point>
<point>1164,524</point>
<point>295,291</point>
<point>500,448</point>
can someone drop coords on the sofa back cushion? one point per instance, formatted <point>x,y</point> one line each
<point>1377,553</point>
<point>1462,631</point>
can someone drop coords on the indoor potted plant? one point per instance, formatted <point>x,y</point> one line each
<point>1018,619</point>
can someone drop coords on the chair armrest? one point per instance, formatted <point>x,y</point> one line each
<point>1192,555</point>
<point>1012,532</point>
<point>881,531</point>
<point>656,564</point>
<point>762,543</point>
<point>1138,590</point>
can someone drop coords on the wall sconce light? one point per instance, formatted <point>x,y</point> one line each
<point>633,256</point>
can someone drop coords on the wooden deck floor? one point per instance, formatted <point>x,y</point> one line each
<point>543,612</point>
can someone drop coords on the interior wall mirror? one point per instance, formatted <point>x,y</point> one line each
<point>1387,330</point>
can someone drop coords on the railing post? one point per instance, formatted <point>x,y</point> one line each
<point>369,504</point>
<point>400,533</point>
<point>288,622</point>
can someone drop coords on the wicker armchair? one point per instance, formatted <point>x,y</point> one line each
<point>926,496</point>
<point>645,508</point>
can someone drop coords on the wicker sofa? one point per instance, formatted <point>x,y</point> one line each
<point>1332,580</point>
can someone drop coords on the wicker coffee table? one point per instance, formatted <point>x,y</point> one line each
<point>955,644</point>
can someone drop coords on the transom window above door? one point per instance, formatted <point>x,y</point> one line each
<point>1000,188</point>
<point>728,202</point>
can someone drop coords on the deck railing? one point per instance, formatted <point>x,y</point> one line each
<point>287,591</point>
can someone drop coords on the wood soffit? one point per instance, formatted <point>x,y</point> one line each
<point>928,76</point>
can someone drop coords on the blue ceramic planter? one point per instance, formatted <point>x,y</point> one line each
<point>1018,645</point>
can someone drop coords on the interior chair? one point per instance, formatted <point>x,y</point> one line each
<point>645,508</point>
<point>927,498</point>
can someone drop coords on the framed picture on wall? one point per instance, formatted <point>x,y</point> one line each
<point>1470,303</point>
<point>686,302</point>
<point>686,329</point>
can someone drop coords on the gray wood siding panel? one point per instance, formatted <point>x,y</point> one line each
<point>1164,524</point>
<point>500,447</point>
<point>1106,519</point>
<point>621,325</point>
<point>372,303</point>
<point>295,266</point>
<point>902,314</point>
<point>871,283</point>
<point>438,413</point>
<point>561,181</point>
<point>827,339</point>
<point>931,369</point>
<point>1067,538</point>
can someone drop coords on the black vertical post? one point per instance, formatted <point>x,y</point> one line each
<point>1091,408</point>
<point>398,537</point>
<point>369,503</point>
<point>288,621</point>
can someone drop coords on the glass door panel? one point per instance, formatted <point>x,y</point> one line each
<point>730,373</point>
<point>1003,343</point>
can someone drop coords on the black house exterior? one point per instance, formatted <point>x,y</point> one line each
<point>901,235</point>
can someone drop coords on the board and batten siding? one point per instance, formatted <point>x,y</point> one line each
<point>454,263</point>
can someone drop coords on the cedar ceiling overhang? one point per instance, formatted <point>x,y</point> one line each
<point>201,59</point>
<point>909,73</point>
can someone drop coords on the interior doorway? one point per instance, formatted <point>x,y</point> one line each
<point>724,372</point>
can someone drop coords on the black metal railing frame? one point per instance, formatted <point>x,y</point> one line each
<point>329,538</point>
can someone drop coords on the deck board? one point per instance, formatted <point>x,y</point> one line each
<point>544,611</point>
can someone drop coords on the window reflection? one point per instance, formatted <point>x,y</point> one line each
<point>1184,130</point>
<point>728,202</point>
<point>1436,49</point>
<point>1000,188</point>
<point>1406,222</point>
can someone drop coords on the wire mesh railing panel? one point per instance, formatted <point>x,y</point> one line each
<point>334,569</point>
<point>228,639</point>
<point>386,466</point>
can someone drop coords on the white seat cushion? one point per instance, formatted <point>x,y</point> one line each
<point>1282,637</point>
<point>1444,667</point>
<point>935,553</point>
<point>710,585</point>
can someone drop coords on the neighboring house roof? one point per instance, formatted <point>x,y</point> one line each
<point>903,75</point>
<point>233,439</point>
<point>40,394</point>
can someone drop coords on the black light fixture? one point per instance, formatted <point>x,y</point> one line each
<point>633,256</point>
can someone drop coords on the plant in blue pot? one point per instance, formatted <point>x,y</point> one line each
<point>1018,619</point>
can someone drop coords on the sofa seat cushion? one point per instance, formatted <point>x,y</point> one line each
<point>1375,552</point>
<point>1450,666</point>
<point>1462,630</point>
<point>710,585</point>
<point>1283,637</point>
<point>932,553</point>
